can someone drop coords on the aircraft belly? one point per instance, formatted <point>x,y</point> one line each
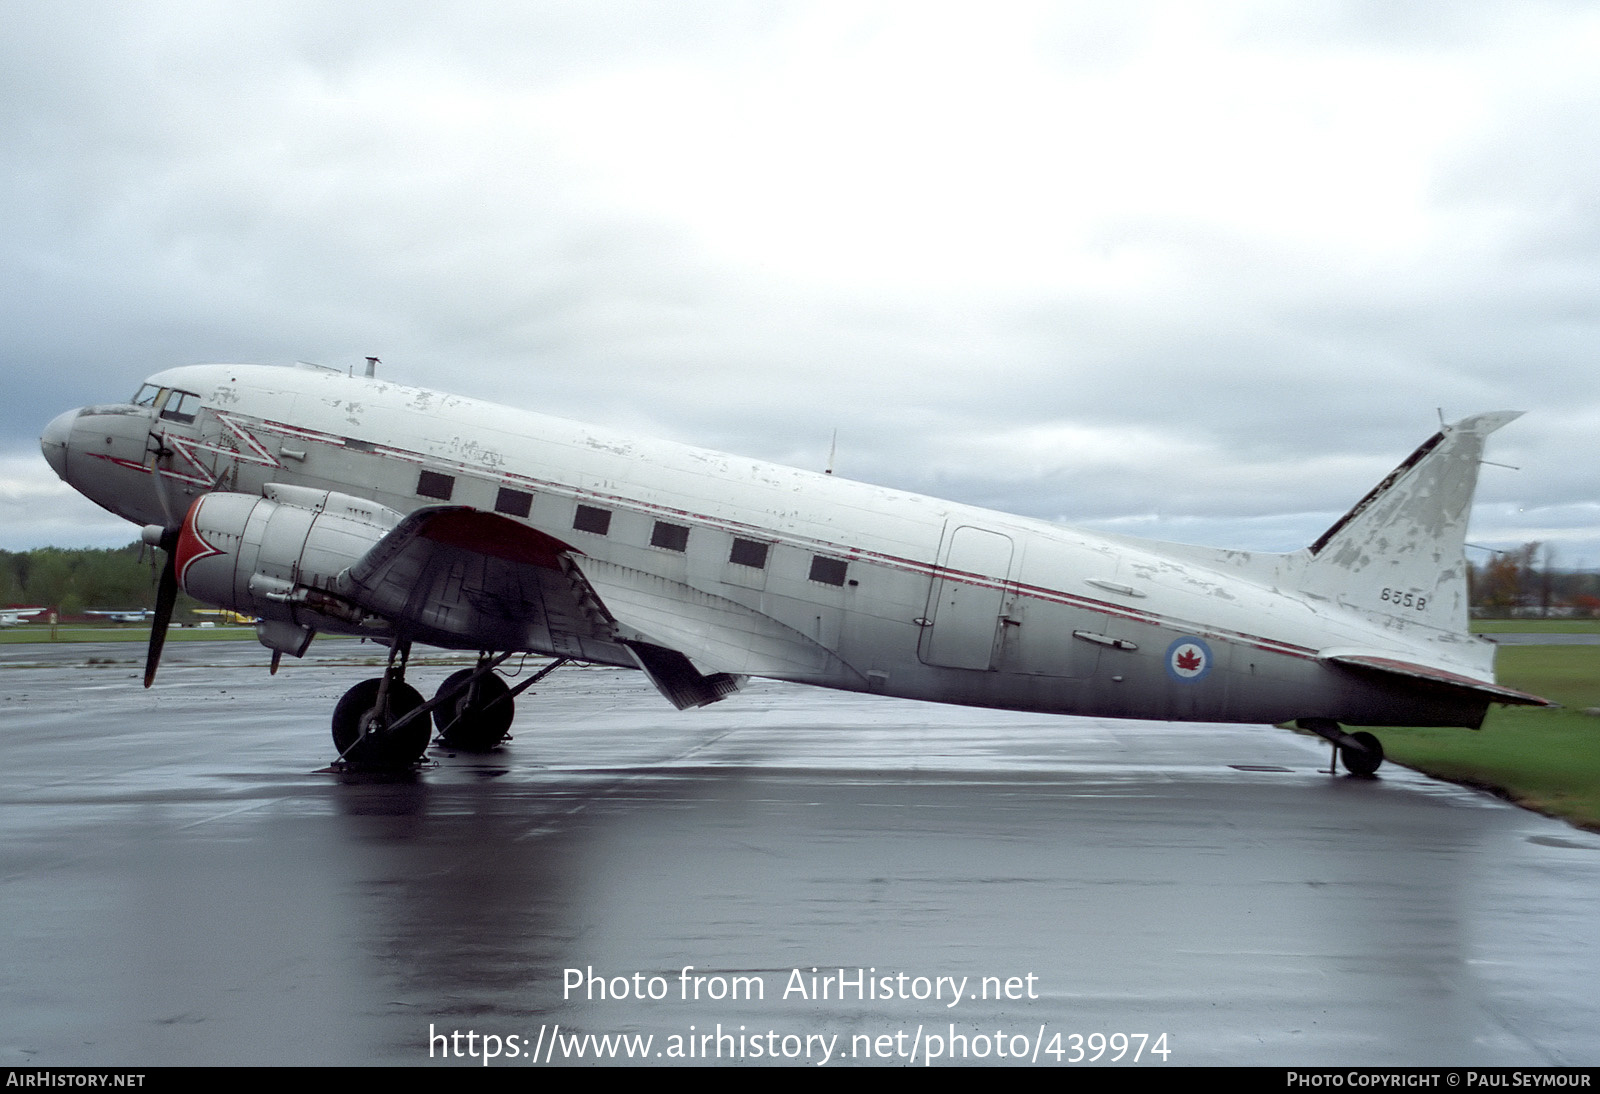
<point>1239,683</point>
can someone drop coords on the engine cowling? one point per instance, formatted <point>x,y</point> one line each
<point>278,556</point>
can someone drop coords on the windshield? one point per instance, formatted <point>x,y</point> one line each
<point>181,406</point>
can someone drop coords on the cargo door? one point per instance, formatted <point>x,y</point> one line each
<point>965,599</point>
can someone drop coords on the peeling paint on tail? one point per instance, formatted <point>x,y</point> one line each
<point>1398,554</point>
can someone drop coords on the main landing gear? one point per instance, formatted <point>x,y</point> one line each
<point>1361,752</point>
<point>376,724</point>
<point>475,710</point>
<point>385,724</point>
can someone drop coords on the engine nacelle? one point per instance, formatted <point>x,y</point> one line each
<point>278,556</point>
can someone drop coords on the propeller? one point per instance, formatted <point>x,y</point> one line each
<point>166,595</point>
<point>158,452</point>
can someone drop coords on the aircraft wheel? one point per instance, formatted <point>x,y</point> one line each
<point>1365,760</point>
<point>386,747</point>
<point>474,727</point>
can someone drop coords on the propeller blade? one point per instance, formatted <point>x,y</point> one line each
<point>157,454</point>
<point>166,596</point>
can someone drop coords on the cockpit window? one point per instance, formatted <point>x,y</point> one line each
<point>181,406</point>
<point>148,395</point>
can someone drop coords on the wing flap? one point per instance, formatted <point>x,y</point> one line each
<point>675,677</point>
<point>718,634</point>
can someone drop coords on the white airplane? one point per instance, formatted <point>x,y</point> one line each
<point>134,615</point>
<point>318,501</point>
<point>10,617</point>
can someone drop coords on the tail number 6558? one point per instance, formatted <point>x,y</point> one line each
<point>1404,600</point>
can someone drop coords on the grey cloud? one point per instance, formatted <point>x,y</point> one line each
<point>327,181</point>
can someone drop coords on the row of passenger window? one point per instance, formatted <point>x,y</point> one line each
<point>675,537</point>
<point>431,484</point>
<point>666,535</point>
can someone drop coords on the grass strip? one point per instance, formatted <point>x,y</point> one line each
<point>1544,759</point>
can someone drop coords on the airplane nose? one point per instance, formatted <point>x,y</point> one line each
<point>53,441</point>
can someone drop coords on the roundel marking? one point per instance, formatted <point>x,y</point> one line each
<point>1188,660</point>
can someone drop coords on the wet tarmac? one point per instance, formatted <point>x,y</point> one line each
<point>179,884</point>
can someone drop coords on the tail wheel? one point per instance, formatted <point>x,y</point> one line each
<point>476,718</point>
<point>364,739</point>
<point>1364,760</point>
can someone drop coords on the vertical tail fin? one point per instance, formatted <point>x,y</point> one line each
<point>1399,552</point>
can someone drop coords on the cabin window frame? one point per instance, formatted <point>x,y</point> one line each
<point>436,485</point>
<point>823,570</point>
<point>513,503</point>
<point>756,549</point>
<point>670,537</point>
<point>592,519</point>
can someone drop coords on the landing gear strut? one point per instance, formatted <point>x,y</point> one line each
<point>384,723</point>
<point>376,724</point>
<point>474,709</point>
<point>1361,752</point>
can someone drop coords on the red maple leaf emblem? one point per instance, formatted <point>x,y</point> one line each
<point>1188,660</point>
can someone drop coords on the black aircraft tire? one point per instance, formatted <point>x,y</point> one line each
<point>1367,759</point>
<point>388,748</point>
<point>474,728</point>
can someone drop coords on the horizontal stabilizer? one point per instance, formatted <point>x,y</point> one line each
<point>1390,666</point>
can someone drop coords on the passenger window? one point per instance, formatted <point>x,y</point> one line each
<point>513,503</point>
<point>431,484</point>
<point>829,571</point>
<point>749,552</point>
<point>674,537</point>
<point>590,519</point>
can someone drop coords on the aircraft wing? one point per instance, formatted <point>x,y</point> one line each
<point>462,578</point>
<point>1386,665</point>
<point>718,634</point>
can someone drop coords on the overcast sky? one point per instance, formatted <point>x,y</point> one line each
<point>1195,271</point>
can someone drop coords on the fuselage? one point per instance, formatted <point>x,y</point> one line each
<point>912,596</point>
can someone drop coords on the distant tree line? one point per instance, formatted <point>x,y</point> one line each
<point>75,581</point>
<point>1525,582</point>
